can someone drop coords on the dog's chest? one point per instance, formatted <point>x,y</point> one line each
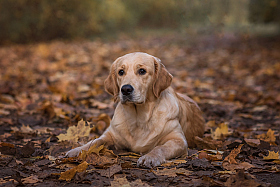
<point>138,128</point>
<point>135,132</point>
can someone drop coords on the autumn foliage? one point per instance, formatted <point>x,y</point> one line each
<point>52,99</point>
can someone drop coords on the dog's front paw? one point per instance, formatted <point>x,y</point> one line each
<point>74,152</point>
<point>150,161</point>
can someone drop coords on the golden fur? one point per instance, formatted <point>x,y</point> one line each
<point>153,119</point>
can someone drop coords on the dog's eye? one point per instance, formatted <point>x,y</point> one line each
<point>142,72</point>
<point>121,72</point>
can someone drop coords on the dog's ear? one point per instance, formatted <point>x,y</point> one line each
<point>110,83</point>
<point>162,78</point>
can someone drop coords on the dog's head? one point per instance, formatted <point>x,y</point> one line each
<point>136,78</point>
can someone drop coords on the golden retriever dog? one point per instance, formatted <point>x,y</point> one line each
<point>150,117</point>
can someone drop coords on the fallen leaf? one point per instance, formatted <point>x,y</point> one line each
<point>122,181</point>
<point>69,174</point>
<point>47,108</point>
<point>31,180</point>
<point>130,154</point>
<point>206,143</point>
<point>98,156</point>
<point>231,157</point>
<point>272,156</point>
<point>221,131</point>
<point>117,182</point>
<point>215,157</point>
<point>242,179</point>
<point>93,149</point>
<point>237,166</point>
<point>109,172</point>
<point>253,142</point>
<point>260,108</point>
<point>103,117</point>
<point>211,124</point>
<point>23,129</point>
<point>98,104</point>
<point>75,132</point>
<point>268,137</point>
<point>83,88</point>
<point>100,161</point>
<point>172,172</point>
<point>4,144</point>
<point>173,162</point>
<point>4,112</point>
<point>227,172</point>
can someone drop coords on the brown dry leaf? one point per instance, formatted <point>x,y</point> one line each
<point>100,161</point>
<point>23,129</point>
<point>117,182</point>
<point>130,154</point>
<point>4,144</point>
<point>93,149</point>
<point>102,122</point>
<point>227,172</point>
<point>108,153</point>
<point>98,104</point>
<point>26,129</point>
<point>206,143</point>
<point>103,117</point>
<point>246,116</point>
<point>231,157</point>
<point>215,157</point>
<point>98,156</point>
<point>242,179</point>
<point>272,156</point>
<point>68,175</point>
<point>211,124</point>
<point>4,112</point>
<point>242,165</point>
<point>48,109</point>
<point>75,132</point>
<point>222,130</point>
<point>172,172</point>
<point>173,162</point>
<point>138,183</point>
<point>109,172</point>
<point>260,108</point>
<point>253,142</point>
<point>60,113</point>
<point>31,180</point>
<point>269,136</point>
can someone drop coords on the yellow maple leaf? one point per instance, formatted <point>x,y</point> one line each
<point>69,174</point>
<point>75,132</point>
<point>272,156</point>
<point>222,130</point>
<point>93,149</point>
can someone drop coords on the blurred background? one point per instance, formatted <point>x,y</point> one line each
<point>27,21</point>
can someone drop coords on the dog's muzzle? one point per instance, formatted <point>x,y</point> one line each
<point>127,91</point>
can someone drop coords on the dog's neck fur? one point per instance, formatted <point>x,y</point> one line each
<point>135,111</point>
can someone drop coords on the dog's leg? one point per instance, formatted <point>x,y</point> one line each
<point>105,139</point>
<point>170,149</point>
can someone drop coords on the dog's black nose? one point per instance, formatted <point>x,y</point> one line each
<point>127,89</point>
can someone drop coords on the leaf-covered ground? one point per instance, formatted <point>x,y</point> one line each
<point>47,89</point>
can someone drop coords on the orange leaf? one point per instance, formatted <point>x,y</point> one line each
<point>68,175</point>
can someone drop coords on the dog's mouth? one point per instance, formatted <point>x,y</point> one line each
<point>129,99</point>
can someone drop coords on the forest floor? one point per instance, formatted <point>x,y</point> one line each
<point>46,89</point>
